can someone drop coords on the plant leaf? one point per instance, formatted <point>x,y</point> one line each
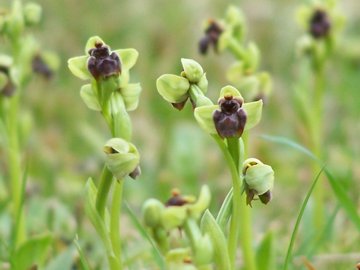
<point>265,255</point>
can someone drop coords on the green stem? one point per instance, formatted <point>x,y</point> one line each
<point>318,213</point>
<point>236,209</point>
<point>14,158</point>
<point>192,231</point>
<point>115,219</point>
<point>106,181</point>
<point>197,96</point>
<point>236,49</point>
<point>246,231</point>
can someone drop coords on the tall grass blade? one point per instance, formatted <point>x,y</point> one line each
<point>296,227</point>
<point>340,193</point>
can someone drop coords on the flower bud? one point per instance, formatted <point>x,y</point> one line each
<point>319,24</point>
<point>151,212</point>
<point>173,88</point>
<point>32,13</point>
<point>122,157</point>
<point>204,250</point>
<point>102,63</point>
<point>258,180</point>
<point>192,70</point>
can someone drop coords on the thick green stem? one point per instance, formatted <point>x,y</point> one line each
<point>236,209</point>
<point>246,232</point>
<point>15,171</point>
<point>115,219</point>
<point>106,181</point>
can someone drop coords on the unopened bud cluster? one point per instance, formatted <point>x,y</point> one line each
<point>228,35</point>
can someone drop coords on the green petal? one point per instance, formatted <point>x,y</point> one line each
<point>90,44</point>
<point>128,57</point>
<point>196,209</point>
<point>131,95</point>
<point>192,69</point>
<point>253,112</point>
<point>173,88</point>
<point>78,67</point>
<point>173,217</point>
<point>230,91</point>
<point>89,96</point>
<point>204,116</point>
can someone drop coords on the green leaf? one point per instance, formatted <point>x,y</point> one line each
<point>173,88</point>
<point>338,190</point>
<point>253,112</point>
<point>63,261</point>
<point>90,98</point>
<point>155,251</point>
<point>32,252</point>
<point>210,227</point>
<point>131,94</point>
<point>265,255</point>
<point>128,57</point>
<point>93,215</point>
<point>78,67</point>
<point>83,261</point>
<point>225,212</point>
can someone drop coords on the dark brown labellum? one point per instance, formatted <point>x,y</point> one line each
<point>176,199</point>
<point>266,197</point>
<point>230,120</point>
<point>135,173</point>
<point>39,66</point>
<point>211,38</point>
<point>101,63</point>
<point>9,89</point>
<point>319,24</point>
<point>179,105</point>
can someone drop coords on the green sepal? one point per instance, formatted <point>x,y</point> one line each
<point>252,57</point>
<point>196,209</point>
<point>173,217</point>
<point>173,88</point>
<point>230,91</point>
<point>192,69</point>
<point>128,57</point>
<point>203,84</point>
<point>131,94</point>
<point>6,60</point>
<point>90,44</point>
<point>90,97</point>
<point>209,226</point>
<point>253,112</point>
<point>122,157</point>
<point>78,67</point>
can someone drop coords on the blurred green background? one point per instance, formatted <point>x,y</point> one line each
<point>65,146</point>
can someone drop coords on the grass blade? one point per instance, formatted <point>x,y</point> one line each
<point>157,254</point>
<point>346,203</point>
<point>296,227</point>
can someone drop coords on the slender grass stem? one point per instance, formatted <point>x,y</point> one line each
<point>318,213</point>
<point>115,220</point>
